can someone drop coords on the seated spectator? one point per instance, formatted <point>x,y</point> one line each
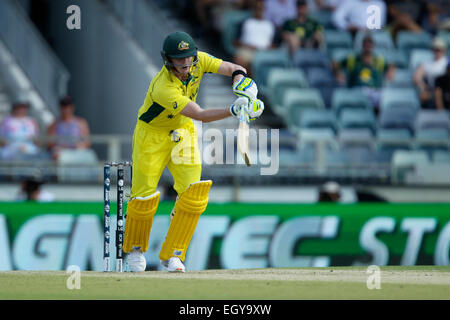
<point>255,33</point>
<point>302,31</point>
<point>366,70</point>
<point>426,73</point>
<point>442,90</point>
<point>329,192</point>
<point>352,15</point>
<point>19,133</point>
<point>278,11</point>
<point>401,21</point>
<point>69,131</point>
<point>30,190</point>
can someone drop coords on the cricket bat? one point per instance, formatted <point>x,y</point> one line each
<point>243,133</point>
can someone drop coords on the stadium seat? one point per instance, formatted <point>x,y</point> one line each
<point>323,17</point>
<point>346,98</point>
<point>231,21</point>
<point>440,156</point>
<point>323,80</point>
<point>404,161</point>
<point>382,39</point>
<point>419,56</point>
<point>428,119</point>
<point>308,58</point>
<point>399,97</point>
<point>393,56</point>
<point>340,54</point>
<point>432,139</point>
<point>350,138</point>
<point>310,137</point>
<point>298,100</point>
<point>402,79</point>
<point>265,60</point>
<point>338,39</point>
<point>402,117</point>
<point>281,79</point>
<point>408,40</point>
<point>358,119</point>
<point>315,118</point>
<point>390,140</point>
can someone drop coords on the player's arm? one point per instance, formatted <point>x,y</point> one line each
<point>194,111</point>
<point>227,69</point>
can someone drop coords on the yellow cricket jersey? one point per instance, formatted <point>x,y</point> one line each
<point>167,95</point>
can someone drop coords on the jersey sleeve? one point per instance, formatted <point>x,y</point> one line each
<point>208,63</point>
<point>170,98</point>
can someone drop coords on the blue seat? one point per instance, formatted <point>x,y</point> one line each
<point>404,160</point>
<point>432,119</point>
<point>308,58</point>
<point>393,56</point>
<point>351,138</point>
<point>314,118</point>
<point>340,54</point>
<point>401,117</point>
<point>440,156</point>
<point>419,56</point>
<point>338,39</point>
<point>399,97</point>
<point>402,79</point>
<point>264,60</point>
<point>324,17</point>
<point>408,40</point>
<point>323,80</point>
<point>310,137</point>
<point>382,39</point>
<point>358,119</point>
<point>349,98</point>
<point>281,79</point>
<point>433,139</point>
<point>298,100</point>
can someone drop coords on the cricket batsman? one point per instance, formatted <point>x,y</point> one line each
<point>165,135</point>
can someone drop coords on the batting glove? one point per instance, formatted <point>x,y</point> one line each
<point>246,87</point>
<point>237,105</point>
<point>255,109</point>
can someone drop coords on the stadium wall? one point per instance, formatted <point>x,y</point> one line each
<point>53,236</point>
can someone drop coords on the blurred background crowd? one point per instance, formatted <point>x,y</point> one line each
<point>360,89</point>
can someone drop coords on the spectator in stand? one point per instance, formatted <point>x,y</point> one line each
<point>303,31</point>
<point>426,73</point>
<point>255,33</point>
<point>366,70</point>
<point>30,190</point>
<point>279,11</point>
<point>352,15</point>
<point>69,131</point>
<point>442,90</point>
<point>19,133</point>
<point>329,192</point>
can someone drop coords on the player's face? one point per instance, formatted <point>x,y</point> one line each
<point>182,65</point>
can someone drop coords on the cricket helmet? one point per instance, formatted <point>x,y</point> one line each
<point>178,44</point>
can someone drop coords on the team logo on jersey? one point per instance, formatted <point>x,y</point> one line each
<point>174,105</point>
<point>183,46</point>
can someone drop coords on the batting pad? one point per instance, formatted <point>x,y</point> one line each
<point>188,209</point>
<point>139,220</point>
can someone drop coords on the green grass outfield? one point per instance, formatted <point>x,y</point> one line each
<point>255,284</point>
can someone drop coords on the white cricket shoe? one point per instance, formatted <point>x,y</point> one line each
<point>136,261</point>
<point>174,264</point>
